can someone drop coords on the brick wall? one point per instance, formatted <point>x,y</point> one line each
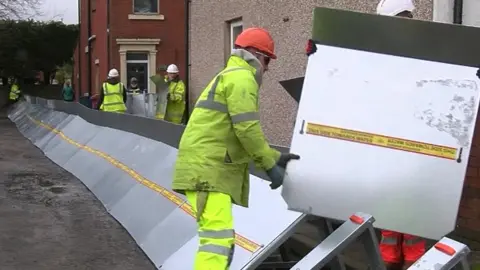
<point>469,213</point>
<point>171,31</point>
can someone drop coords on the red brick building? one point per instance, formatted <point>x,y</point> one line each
<point>137,37</point>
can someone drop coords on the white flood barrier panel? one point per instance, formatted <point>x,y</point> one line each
<point>131,175</point>
<point>136,104</point>
<point>386,135</point>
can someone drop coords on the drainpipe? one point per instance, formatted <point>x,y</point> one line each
<point>78,79</point>
<point>109,64</point>
<point>89,64</point>
<point>458,11</point>
<point>187,59</point>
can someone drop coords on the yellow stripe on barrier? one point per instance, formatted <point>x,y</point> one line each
<point>382,141</point>
<point>174,198</point>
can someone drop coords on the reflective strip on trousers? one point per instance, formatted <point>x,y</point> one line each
<point>394,241</point>
<point>389,240</point>
<point>215,249</point>
<point>412,241</point>
<point>222,234</point>
<point>211,104</point>
<point>218,249</point>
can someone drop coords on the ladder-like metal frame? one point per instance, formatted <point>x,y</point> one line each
<point>358,226</point>
<point>444,255</point>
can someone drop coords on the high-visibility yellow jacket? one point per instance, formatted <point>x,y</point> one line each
<point>223,134</point>
<point>14,92</point>
<point>113,98</point>
<point>176,102</point>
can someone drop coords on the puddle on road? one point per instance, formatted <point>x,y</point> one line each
<point>45,183</point>
<point>57,190</point>
<point>34,187</point>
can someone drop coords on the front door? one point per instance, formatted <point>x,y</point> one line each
<point>139,71</point>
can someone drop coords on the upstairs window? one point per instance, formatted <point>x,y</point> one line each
<point>236,27</point>
<point>145,6</point>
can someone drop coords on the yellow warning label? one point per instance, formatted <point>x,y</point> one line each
<point>382,141</point>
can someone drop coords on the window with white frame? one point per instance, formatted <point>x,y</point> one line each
<point>236,27</point>
<point>145,6</point>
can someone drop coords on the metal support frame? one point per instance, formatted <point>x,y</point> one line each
<point>260,258</point>
<point>358,226</point>
<point>444,255</point>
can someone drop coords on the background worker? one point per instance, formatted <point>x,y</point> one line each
<point>113,95</point>
<point>221,138</point>
<point>134,88</point>
<point>399,250</point>
<point>15,91</point>
<point>175,97</point>
<point>67,91</point>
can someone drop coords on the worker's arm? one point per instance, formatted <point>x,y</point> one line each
<point>178,94</point>
<point>242,100</point>
<point>100,100</point>
<point>124,94</point>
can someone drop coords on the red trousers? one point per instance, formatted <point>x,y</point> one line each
<point>398,247</point>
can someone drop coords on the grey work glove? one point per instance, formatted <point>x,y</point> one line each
<point>277,173</point>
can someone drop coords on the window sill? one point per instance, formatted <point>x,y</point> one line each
<point>154,17</point>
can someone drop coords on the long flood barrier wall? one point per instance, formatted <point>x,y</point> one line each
<point>127,161</point>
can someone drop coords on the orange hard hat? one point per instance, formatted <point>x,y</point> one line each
<point>257,38</point>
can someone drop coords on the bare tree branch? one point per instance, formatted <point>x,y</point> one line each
<point>19,9</point>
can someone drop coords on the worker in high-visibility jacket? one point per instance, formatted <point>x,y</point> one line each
<point>175,97</point>
<point>399,250</point>
<point>221,138</point>
<point>134,88</point>
<point>113,95</point>
<point>15,91</point>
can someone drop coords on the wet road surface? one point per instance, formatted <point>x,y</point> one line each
<point>48,218</point>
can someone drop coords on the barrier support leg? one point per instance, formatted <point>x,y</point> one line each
<point>336,263</point>
<point>359,226</point>
<point>444,255</point>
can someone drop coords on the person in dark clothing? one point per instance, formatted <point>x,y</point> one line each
<point>134,87</point>
<point>113,95</point>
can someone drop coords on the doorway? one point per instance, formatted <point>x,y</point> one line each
<point>137,66</point>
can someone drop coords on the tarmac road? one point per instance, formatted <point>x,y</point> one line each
<point>48,218</point>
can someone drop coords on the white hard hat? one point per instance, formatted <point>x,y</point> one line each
<point>113,73</point>
<point>172,69</point>
<point>394,7</point>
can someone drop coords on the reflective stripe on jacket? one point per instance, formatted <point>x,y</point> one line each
<point>14,92</point>
<point>113,98</point>
<point>224,134</point>
<point>176,102</point>
<point>134,91</point>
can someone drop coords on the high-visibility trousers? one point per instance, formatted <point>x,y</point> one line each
<point>215,229</point>
<point>398,247</point>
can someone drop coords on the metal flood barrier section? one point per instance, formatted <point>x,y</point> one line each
<point>115,156</point>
